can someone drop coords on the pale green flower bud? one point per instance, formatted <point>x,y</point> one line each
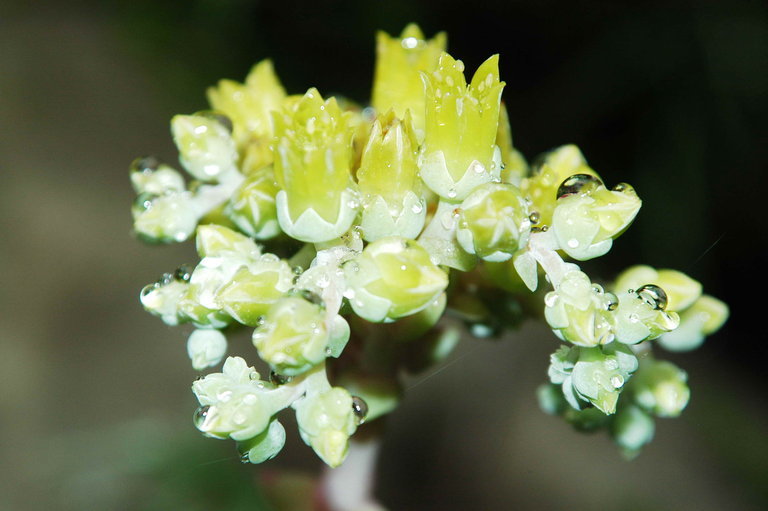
<point>252,206</point>
<point>219,241</point>
<point>233,402</point>
<point>162,298</point>
<point>388,181</point>
<point>165,218</point>
<point>600,373</point>
<point>249,105</point>
<point>223,253</point>
<point>313,158</point>
<point>326,421</point>
<point>660,388</point>
<point>264,446</point>
<point>150,176</point>
<point>631,429</point>
<point>493,222</point>
<point>206,348</point>
<point>641,315</point>
<point>703,318</point>
<point>206,148</point>
<point>296,335</point>
<point>399,61</point>
<point>595,375</point>
<point>459,151</point>
<point>392,278</point>
<point>550,170</point>
<point>255,288</point>
<point>579,311</point>
<point>681,290</point>
<point>588,216</point>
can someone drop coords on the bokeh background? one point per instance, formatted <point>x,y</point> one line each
<point>95,407</point>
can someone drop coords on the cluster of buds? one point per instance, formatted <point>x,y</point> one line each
<point>352,240</point>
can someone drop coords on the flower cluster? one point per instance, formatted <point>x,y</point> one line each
<point>341,235</point>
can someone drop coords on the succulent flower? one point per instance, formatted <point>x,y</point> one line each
<point>326,421</point>
<point>388,180</point>
<point>659,387</point>
<point>233,402</point>
<point>581,312</point>
<point>206,348</point>
<point>295,335</point>
<point>588,216</point>
<point>206,148</point>
<point>459,151</point>
<point>392,278</point>
<point>397,82</point>
<point>252,206</point>
<point>493,222</point>
<point>548,173</point>
<point>344,234</point>
<point>313,145</point>
<point>249,106</point>
<point>704,317</point>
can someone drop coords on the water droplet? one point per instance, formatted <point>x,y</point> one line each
<point>617,381</point>
<point>253,375</point>
<point>534,217</point>
<point>269,258</point>
<point>183,273</point>
<point>654,296</point>
<point>624,188</point>
<point>573,243</point>
<point>634,318</point>
<point>611,302</point>
<point>144,201</point>
<point>145,164</point>
<point>201,415</point>
<point>165,279</point>
<point>297,270</point>
<point>550,299</point>
<point>218,117</point>
<point>611,364</point>
<point>578,183</point>
<point>359,409</point>
<point>409,43</point>
<point>479,168</point>
<point>278,379</point>
<point>417,208</point>
<point>452,193</point>
<point>312,297</point>
<point>597,289</point>
<point>148,289</point>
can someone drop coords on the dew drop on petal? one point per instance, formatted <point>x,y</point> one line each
<point>654,296</point>
<point>578,183</point>
<point>359,409</point>
<point>201,414</point>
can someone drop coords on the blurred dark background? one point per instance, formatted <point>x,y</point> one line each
<point>669,96</point>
